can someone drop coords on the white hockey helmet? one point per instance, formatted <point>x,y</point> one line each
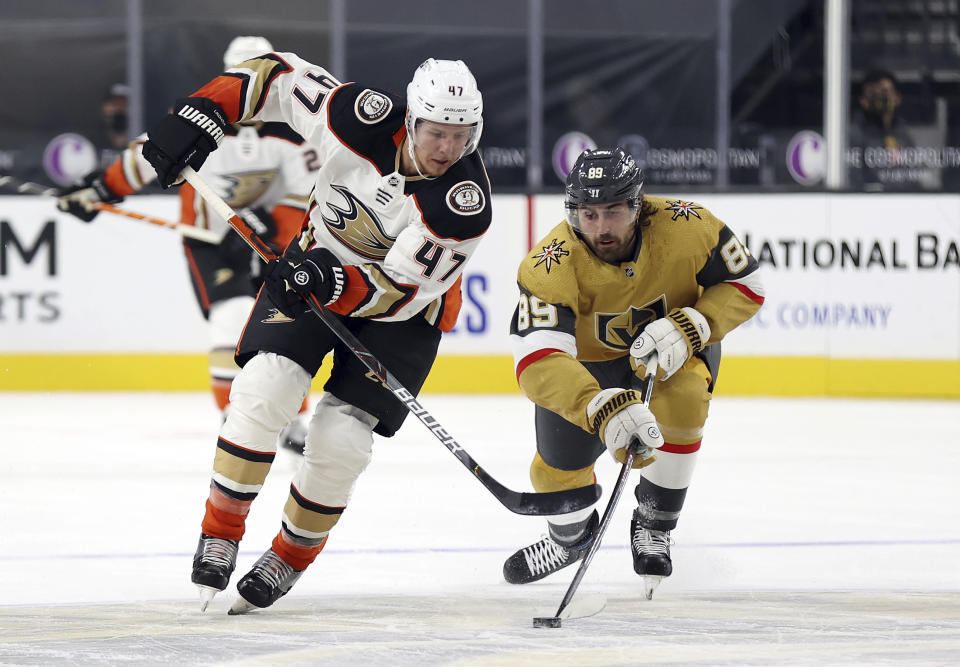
<point>444,91</point>
<point>244,48</point>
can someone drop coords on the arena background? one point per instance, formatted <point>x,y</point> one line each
<point>731,110</point>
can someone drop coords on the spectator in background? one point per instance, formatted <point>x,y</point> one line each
<point>115,119</point>
<point>880,134</point>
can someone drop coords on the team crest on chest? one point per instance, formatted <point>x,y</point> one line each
<point>356,226</point>
<point>617,330</point>
<point>552,252</point>
<point>466,198</point>
<point>372,106</point>
<point>684,208</point>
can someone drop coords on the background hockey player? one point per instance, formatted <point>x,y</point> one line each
<point>400,202</point>
<point>624,277</point>
<point>263,169</point>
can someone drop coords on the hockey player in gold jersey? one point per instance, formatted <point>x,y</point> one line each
<point>624,277</point>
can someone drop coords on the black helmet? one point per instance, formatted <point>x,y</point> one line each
<point>601,176</point>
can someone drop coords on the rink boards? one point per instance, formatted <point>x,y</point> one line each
<point>863,298</point>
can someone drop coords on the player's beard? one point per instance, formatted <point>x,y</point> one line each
<point>611,248</point>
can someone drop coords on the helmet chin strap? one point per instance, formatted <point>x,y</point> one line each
<point>413,157</point>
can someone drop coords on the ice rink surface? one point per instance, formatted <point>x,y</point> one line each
<point>817,531</point>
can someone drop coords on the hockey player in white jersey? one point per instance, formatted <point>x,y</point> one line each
<point>400,203</point>
<point>263,169</point>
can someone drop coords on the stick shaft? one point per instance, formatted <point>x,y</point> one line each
<point>614,497</point>
<point>190,231</point>
<point>207,235</point>
<point>27,187</point>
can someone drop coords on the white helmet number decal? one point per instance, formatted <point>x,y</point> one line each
<point>466,198</point>
<point>371,106</point>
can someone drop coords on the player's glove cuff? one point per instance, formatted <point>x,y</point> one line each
<point>606,404</point>
<point>692,326</point>
<point>106,195</point>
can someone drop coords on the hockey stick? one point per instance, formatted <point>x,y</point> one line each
<point>26,187</point>
<point>632,450</point>
<point>198,233</point>
<point>557,502</point>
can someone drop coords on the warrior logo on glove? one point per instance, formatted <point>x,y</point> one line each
<point>212,127</point>
<point>611,406</point>
<point>301,278</point>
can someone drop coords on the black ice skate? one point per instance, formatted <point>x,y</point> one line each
<point>651,554</point>
<point>212,566</point>
<point>547,556</point>
<point>270,579</point>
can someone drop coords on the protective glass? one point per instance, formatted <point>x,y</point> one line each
<point>428,135</point>
<point>607,218</point>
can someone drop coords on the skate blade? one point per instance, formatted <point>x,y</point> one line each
<point>206,595</point>
<point>650,584</point>
<point>240,606</point>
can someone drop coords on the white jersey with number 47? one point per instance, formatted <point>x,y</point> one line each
<point>403,240</point>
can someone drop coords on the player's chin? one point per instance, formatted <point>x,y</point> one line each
<point>439,167</point>
<point>608,252</point>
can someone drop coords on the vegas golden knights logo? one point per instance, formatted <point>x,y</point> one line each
<point>617,330</point>
<point>356,226</point>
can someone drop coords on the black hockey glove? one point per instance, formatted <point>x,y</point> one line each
<point>235,251</point>
<point>78,199</point>
<point>185,137</point>
<point>317,271</point>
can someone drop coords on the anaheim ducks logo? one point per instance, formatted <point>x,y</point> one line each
<point>241,190</point>
<point>276,317</point>
<point>465,198</point>
<point>372,106</point>
<point>617,330</point>
<point>222,276</point>
<point>356,226</point>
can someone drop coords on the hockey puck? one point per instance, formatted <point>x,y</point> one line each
<point>546,622</point>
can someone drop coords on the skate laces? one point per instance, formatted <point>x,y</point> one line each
<point>273,569</point>
<point>545,555</point>
<point>218,551</point>
<point>651,541</point>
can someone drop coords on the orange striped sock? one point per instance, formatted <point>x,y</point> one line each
<point>296,555</point>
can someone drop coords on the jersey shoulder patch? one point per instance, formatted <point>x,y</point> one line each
<point>457,205</point>
<point>372,106</point>
<point>679,211</point>
<point>681,226</point>
<point>550,268</point>
<point>365,120</point>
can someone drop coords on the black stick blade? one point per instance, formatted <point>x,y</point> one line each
<point>546,622</point>
<point>555,502</point>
